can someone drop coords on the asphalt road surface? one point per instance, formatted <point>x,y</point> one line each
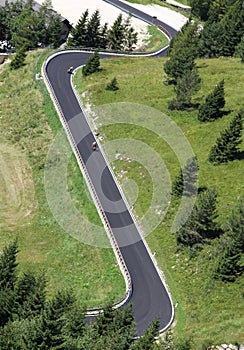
<point>150,298</point>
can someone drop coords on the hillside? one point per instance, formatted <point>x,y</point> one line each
<point>28,125</point>
<point>206,309</point>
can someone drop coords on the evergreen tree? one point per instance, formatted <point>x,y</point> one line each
<point>6,306</point>
<point>240,49</point>
<point>236,223</point>
<point>105,320</point>
<point>200,8</point>
<point>227,145</point>
<point>190,176</point>
<point>187,36</point>
<point>79,32</point>
<point>8,266</point>
<point>89,32</point>
<point>30,295</point>
<point>182,52</point>
<point>8,277</point>
<point>93,30</point>
<point>179,64</point>
<point>26,28</point>
<point>92,64</point>
<point>148,338</point>
<point>207,214</point>
<point>186,180</point>
<point>49,329</point>
<point>19,59</point>
<point>76,322</point>
<point>188,235</point>
<point>53,29</point>
<point>178,185</point>
<point>214,102</point>
<point>116,34</point>
<point>210,40</point>
<point>229,264</point>
<point>218,9</point>
<point>186,85</point>
<point>233,28</point>
<point>201,224</point>
<point>8,13</point>
<point>113,85</point>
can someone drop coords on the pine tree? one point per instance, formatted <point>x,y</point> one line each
<point>8,277</point>
<point>105,320</point>
<point>93,30</point>
<point>19,59</point>
<point>207,214</point>
<point>214,102</point>
<point>6,306</point>
<point>116,34</point>
<point>79,32</point>
<point>92,64</point>
<point>229,264</point>
<point>186,181</point>
<point>178,185</point>
<point>240,49</point>
<point>30,295</point>
<point>233,28</point>
<point>200,8</point>
<point>27,29</point>
<point>76,322</point>
<point>148,338</point>
<point>227,145</point>
<point>186,86</point>
<point>236,223</point>
<point>54,31</point>
<point>182,53</point>
<point>179,63</point>
<point>188,235</point>
<point>50,327</point>
<point>201,224</point>
<point>210,40</point>
<point>113,85</point>
<point>190,176</point>
<point>8,266</point>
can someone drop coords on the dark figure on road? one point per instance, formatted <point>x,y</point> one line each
<point>94,146</point>
<point>70,70</point>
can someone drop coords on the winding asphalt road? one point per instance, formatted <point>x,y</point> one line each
<point>150,298</point>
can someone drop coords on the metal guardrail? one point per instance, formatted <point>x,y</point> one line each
<point>129,287</point>
<point>119,257</point>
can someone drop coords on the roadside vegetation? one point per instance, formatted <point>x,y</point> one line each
<point>207,310</point>
<point>156,39</point>
<point>26,116</point>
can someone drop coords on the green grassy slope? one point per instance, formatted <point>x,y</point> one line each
<point>206,309</point>
<point>25,139</point>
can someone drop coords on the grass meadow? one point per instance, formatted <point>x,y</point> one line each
<point>206,310</point>
<point>28,126</point>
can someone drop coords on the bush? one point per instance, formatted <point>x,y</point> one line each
<point>113,85</point>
